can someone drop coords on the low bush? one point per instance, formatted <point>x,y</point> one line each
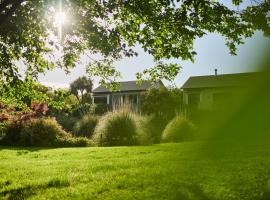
<point>179,129</point>
<point>85,126</point>
<point>2,129</point>
<point>73,142</point>
<point>155,125</point>
<point>11,134</point>
<point>120,128</point>
<point>66,121</point>
<point>101,108</point>
<point>41,132</point>
<point>12,121</point>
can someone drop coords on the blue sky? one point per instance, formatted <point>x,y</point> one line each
<point>212,53</point>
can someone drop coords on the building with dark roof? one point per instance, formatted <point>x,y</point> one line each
<point>129,92</point>
<point>204,92</point>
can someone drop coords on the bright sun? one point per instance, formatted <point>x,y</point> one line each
<point>60,18</point>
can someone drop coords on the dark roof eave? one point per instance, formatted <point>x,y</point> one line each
<point>210,87</point>
<point>118,91</point>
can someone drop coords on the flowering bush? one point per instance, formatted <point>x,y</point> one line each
<point>10,114</point>
<point>31,128</point>
<point>12,121</point>
<point>41,132</point>
<point>4,117</point>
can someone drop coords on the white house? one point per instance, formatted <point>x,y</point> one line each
<point>205,92</point>
<point>129,92</point>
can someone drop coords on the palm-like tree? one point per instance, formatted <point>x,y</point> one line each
<point>81,87</point>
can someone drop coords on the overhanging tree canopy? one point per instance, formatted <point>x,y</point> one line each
<point>111,28</point>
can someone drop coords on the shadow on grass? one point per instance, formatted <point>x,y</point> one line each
<point>191,192</point>
<point>30,190</point>
<point>27,149</point>
<point>194,192</point>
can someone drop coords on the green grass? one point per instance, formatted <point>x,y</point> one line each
<point>168,171</point>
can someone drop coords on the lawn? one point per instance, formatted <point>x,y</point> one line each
<point>168,171</point>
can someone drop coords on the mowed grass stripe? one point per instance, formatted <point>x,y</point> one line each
<point>168,171</point>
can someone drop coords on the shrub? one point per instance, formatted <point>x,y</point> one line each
<point>44,132</point>
<point>47,132</point>
<point>85,126</point>
<point>11,134</point>
<point>82,109</point>
<point>66,121</point>
<point>101,108</point>
<point>162,102</point>
<point>73,142</point>
<point>155,125</point>
<point>2,129</point>
<point>41,132</point>
<point>179,129</point>
<point>120,128</point>
<point>12,121</point>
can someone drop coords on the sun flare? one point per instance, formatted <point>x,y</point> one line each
<point>60,18</point>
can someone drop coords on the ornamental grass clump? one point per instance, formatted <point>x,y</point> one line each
<point>179,129</point>
<point>120,128</point>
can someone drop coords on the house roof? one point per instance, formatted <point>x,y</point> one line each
<point>223,80</point>
<point>129,86</point>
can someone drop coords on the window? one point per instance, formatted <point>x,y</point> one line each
<point>100,100</point>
